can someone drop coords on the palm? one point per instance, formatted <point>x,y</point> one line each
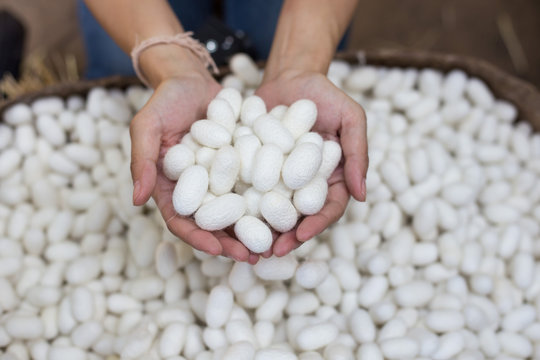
<point>339,118</point>
<point>317,88</point>
<point>174,106</point>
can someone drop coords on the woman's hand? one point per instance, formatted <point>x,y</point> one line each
<point>176,103</point>
<point>339,118</point>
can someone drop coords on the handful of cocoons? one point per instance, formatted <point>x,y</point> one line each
<point>250,168</point>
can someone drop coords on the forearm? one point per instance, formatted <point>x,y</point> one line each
<point>308,34</point>
<point>129,22</point>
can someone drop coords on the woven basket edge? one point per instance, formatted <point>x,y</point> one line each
<point>525,96</point>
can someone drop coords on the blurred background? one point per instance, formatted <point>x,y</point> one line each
<point>502,32</point>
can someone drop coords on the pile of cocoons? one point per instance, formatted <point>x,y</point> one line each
<point>244,165</point>
<point>441,261</point>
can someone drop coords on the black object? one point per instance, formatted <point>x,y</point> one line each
<point>221,41</point>
<point>12,34</point>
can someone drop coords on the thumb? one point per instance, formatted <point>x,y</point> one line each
<point>145,143</point>
<point>354,144</point>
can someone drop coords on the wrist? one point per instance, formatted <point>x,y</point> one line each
<point>307,35</point>
<point>296,66</point>
<point>300,47</point>
<point>164,61</point>
<point>294,62</point>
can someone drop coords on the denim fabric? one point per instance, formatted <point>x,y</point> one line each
<point>257,18</point>
<point>105,58</point>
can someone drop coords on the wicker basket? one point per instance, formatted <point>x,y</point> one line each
<point>522,94</point>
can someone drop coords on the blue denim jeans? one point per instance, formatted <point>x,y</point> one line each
<point>257,18</point>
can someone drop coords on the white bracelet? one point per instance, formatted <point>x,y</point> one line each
<point>182,39</point>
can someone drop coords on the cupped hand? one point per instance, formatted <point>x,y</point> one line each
<point>160,124</point>
<point>339,118</point>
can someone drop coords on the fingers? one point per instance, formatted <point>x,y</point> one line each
<point>145,143</point>
<point>180,226</point>
<point>336,203</point>
<point>285,243</point>
<point>354,146</point>
<point>267,254</point>
<point>189,232</point>
<point>337,199</point>
<point>218,243</point>
<point>253,258</point>
<point>232,248</point>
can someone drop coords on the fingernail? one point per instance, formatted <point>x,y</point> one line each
<point>136,190</point>
<point>363,189</point>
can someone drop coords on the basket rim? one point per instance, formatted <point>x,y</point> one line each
<point>505,86</point>
<point>524,95</point>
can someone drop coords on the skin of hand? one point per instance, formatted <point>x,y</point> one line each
<point>176,103</point>
<point>304,44</point>
<point>183,90</point>
<point>339,118</point>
